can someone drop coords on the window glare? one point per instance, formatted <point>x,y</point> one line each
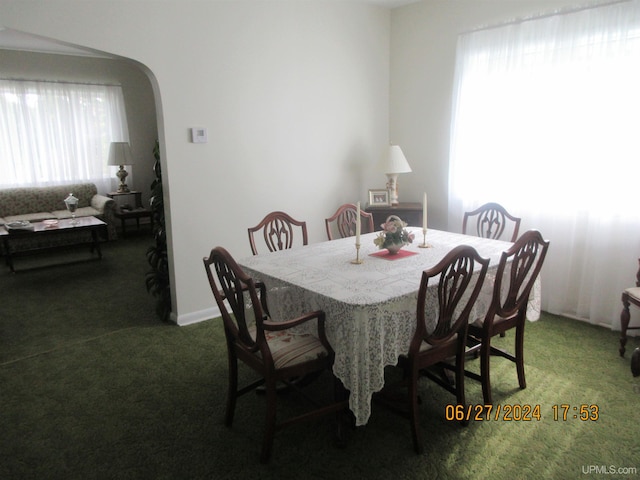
<point>567,105</point>
<point>56,132</point>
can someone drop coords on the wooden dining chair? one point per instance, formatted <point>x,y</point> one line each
<point>491,219</point>
<point>344,221</point>
<point>268,347</point>
<point>278,230</point>
<point>518,270</point>
<point>460,275</point>
<point>630,296</point>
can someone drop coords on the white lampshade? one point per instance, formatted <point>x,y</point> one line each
<point>120,154</point>
<point>396,161</point>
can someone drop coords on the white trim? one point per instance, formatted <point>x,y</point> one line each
<point>196,317</point>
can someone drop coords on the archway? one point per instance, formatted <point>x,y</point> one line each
<point>35,57</point>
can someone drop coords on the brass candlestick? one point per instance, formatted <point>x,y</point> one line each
<point>424,240</point>
<point>357,261</point>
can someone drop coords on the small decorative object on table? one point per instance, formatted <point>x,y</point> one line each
<point>393,236</point>
<point>72,206</point>
<point>19,226</point>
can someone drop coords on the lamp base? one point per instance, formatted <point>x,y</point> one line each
<point>392,186</point>
<point>122,174</point>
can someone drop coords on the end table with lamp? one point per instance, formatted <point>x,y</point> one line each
<point>126,211</point>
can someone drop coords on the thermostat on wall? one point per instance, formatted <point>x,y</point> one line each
<point>199,135</point>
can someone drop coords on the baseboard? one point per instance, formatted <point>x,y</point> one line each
<point>196,317</point>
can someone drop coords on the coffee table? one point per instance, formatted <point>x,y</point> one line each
<point>40,229</point>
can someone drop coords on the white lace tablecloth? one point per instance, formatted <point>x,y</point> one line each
<point>371,307</point>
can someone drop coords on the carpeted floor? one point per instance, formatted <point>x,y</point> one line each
<point>93,386</point>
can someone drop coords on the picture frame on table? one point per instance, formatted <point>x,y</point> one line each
<point>379,197</point>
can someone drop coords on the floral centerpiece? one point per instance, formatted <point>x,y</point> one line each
<point>394,235</point>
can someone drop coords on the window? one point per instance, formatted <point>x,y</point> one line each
<point>546,122</point>
<point>57,132</point>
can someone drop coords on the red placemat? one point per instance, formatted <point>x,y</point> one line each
<point>385,254</point>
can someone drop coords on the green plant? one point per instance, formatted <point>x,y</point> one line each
<point>157,279</point>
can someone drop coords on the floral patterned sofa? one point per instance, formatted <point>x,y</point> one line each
<point>41,203</point>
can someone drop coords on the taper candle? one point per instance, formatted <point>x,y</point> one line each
<point>424,211</point>
<point>358,222</point>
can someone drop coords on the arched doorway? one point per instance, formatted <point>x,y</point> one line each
<point>32,57</point>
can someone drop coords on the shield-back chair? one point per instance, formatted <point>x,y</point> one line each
<point>278,230</point>
<point>268,347</point>
<point>517,272</point>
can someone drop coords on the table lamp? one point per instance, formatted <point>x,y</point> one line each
<point>394,164</point>
<point>120,155</point>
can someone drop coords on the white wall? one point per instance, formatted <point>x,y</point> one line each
<point>423,47</point>
<point>294,95</point>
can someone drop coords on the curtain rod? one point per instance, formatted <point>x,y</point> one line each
<point>69,82</point>
<point>561,11</point>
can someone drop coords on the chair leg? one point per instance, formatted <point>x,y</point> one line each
<point>624,323</point>
<point>232,392</point>
<point>413,409</point>
<point>270,421</point>
<point>460,396</point>
<point>485,374</point>
<point>635,362</point>
<point>520,355</point>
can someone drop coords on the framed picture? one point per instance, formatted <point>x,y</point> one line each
<point>379,197</point>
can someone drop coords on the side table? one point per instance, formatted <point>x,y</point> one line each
<point>409,212</point>
<point>126,211</point>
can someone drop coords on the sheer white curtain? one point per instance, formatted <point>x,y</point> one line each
<point>546,121</point>
<point>52,133</point>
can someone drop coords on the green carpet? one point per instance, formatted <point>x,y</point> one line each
<point>93,386</point>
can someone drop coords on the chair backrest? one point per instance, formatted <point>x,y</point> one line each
<point>277,231</point>
<point>461,275</point>
<point>492,218</point>
<point>344,220</point>
<point>518,270</point>
<point>235,287</point>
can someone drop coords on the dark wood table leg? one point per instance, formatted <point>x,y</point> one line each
<point>7,254</point>
<point>624,323</point>
<point>96,243</point>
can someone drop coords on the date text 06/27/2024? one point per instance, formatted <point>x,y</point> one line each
<point>522,412</point>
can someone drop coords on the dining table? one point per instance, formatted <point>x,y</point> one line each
<point>370,306</point>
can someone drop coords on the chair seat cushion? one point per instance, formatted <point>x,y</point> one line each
<point>634,292</point>
<point>425,346</point>
<point>479,322</point>
<point>289,349</point>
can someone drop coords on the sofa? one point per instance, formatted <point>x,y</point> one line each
<point>35,204</point>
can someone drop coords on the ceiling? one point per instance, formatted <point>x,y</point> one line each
<point>16,40</point>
